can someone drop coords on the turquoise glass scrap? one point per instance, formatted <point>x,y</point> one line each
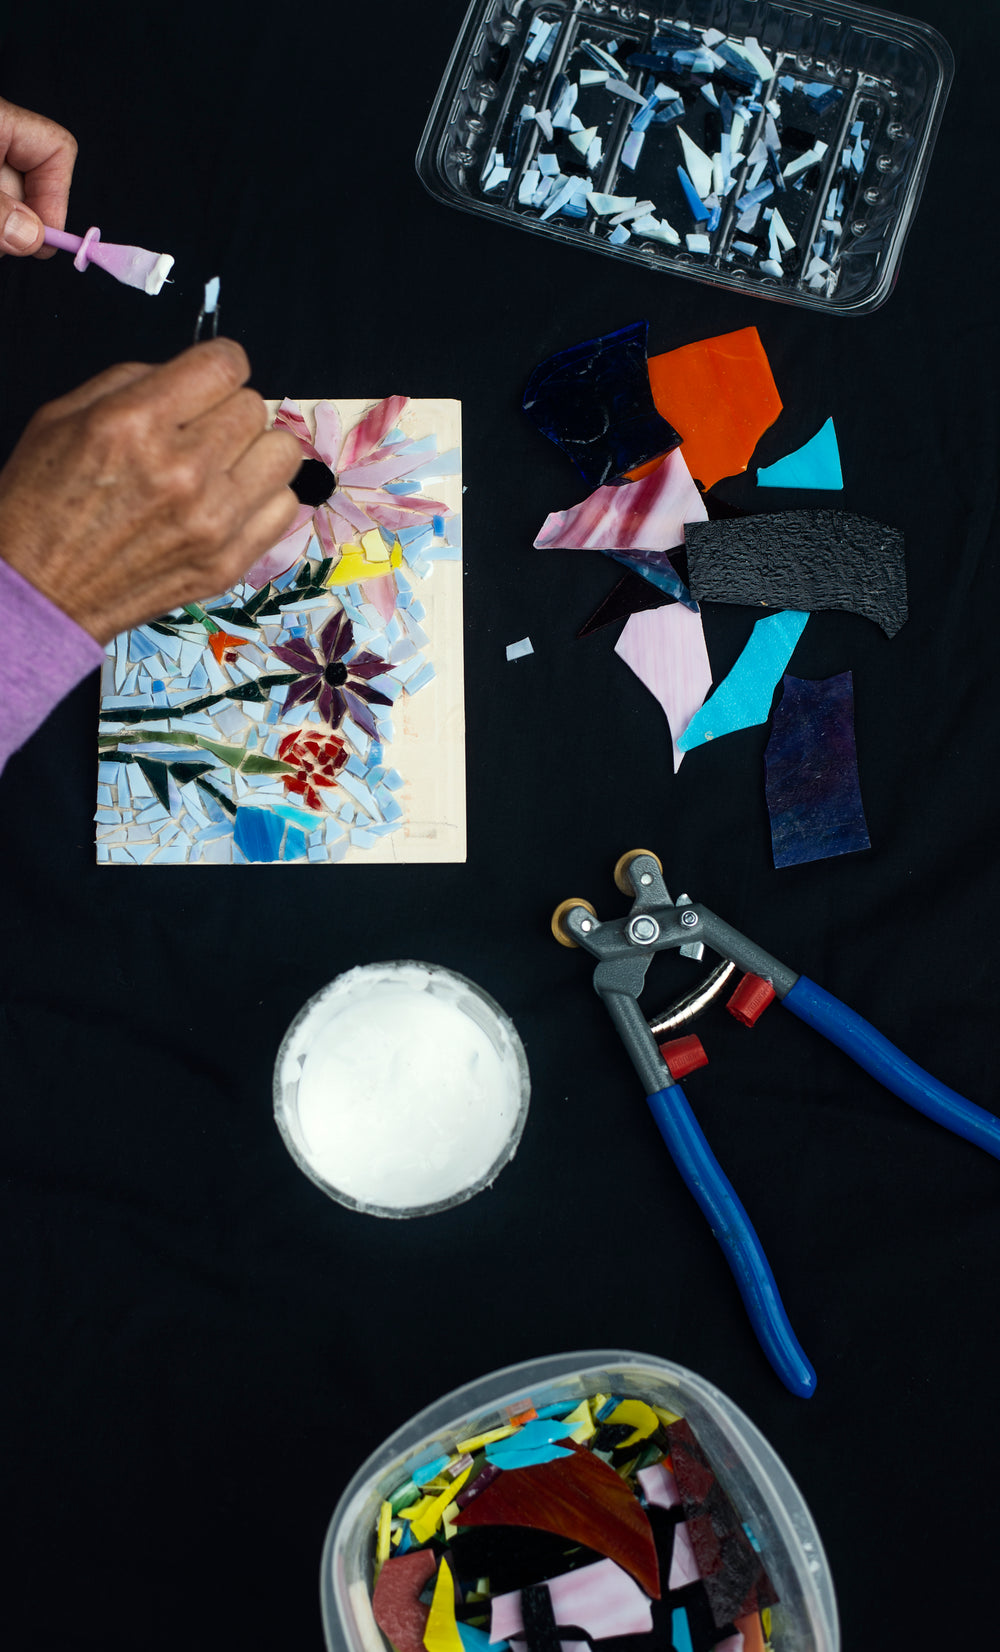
<point>814,465</point>
<point>743,698</point>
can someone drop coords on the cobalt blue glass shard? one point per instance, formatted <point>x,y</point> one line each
<point>594,401</point>
<point>813,792</point>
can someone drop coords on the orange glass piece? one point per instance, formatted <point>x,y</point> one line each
<point>220,643</point>
<point>721,395</point>
<point>753,1635</point>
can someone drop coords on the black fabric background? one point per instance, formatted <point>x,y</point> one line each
<point>199,1348</point>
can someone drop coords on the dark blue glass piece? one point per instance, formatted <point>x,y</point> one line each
<point>594,401</point>
<point>813,794</point>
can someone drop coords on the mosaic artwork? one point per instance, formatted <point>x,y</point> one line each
<point>315,712</point>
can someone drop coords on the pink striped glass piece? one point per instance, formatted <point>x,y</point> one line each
<point>381,593</point>
<point>379,471</point>
<point>601,1599</point>
<point>289,417</point>
<point>351,511</point>
<point>407,511</point>
<point>328,433</point>
<point>665,647</point>
<point>683,1566</point>
<point>287,551</point>
<point>659,1486</point>
<point>366,435</point>
<point>648,515</point>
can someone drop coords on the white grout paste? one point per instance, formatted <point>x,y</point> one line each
<point>401,1086</point>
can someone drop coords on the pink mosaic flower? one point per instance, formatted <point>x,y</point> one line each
<point>363,463</point>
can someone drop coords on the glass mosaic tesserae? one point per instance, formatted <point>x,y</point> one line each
<point>315,712</point>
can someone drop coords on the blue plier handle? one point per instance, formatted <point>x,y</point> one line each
<point>624,948</point>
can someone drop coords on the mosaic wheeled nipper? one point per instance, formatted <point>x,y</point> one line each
<point>624,948</point>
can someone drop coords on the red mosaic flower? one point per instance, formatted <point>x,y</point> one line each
<point>316,758</point>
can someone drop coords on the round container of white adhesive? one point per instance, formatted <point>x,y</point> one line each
<point>401,1089</point>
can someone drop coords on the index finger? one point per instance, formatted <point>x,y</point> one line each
<point>194,382</point>
<point>44,153</point>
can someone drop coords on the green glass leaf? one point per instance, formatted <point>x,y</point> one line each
<point>156,774</point>
<point>256,763</point>
<point>184,773</point>
<point>233,755</point>
<point>257,602</point>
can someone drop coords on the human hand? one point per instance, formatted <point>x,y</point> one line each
<point>36,166</point>
<point>146,488</point>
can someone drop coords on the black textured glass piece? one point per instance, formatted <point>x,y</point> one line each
<point>594,401</point>
<point>801,559</point>
<point>539,1620</point>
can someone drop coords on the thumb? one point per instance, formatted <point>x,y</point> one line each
<point>21,230</point>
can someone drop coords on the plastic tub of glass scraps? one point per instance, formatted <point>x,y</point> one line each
<point>771,148</point>
<point>765,1497</point>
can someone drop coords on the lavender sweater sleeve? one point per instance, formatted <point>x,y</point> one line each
<point>43,654</point>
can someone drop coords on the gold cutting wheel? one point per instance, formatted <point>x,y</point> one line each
<point>559,930</point>
<point>623,863</point>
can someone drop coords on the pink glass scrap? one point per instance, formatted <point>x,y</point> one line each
<point>601,1599</point>
<point>665,647</point>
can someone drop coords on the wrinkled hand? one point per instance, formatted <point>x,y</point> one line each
<point>36,166</point>
<point>147,487</point>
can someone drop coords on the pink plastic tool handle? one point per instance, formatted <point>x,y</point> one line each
<point>80,244</point>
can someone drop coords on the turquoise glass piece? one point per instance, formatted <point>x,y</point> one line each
<point>816,465</point>
<point>743,699</point>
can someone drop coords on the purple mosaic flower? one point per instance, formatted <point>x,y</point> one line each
<point>337,687</point>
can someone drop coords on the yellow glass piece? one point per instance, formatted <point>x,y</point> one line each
<point>355,564</point>
<point>485,1439</point>
<point>374,546</point>
<point>413,1511</point>
<point>596,1401</point>
<point>765,1618</point>
<point>666,1417</point>
<point>580,1424</point>
<point>383,1534</point>
<point>642,1417</point>
<point>427,1522</point>
<point>441,1632</point>
<point>448,1519</point>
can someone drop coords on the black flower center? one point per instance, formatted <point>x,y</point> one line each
<point>335,673</point>
<point>314,483</point>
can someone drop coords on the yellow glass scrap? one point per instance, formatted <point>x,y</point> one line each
<point>374,546</point>
<point>356,563</point>
<point>666,1417</point>
<point>383,1536</point>
<point>441,1632</point>
<point>480,1440</point>
<point>579,1425</point>
<point>427,1521</point>
<point>642,1417</point>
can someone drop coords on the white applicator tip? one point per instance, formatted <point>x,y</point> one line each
<point>158,274</point>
